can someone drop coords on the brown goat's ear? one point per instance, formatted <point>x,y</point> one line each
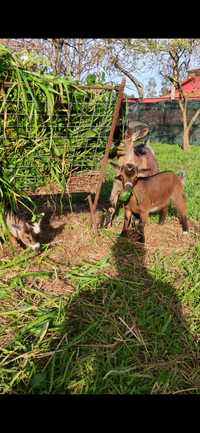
<point>119,177</point>
<point>115,165</point>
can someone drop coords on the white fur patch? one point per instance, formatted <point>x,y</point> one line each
<point>35,246</point>
<point>185,233</point>
<point>36,228</point>
<point>154,209</point>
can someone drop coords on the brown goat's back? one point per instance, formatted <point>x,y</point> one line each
<point>153,193</point>
<point>159,188</point>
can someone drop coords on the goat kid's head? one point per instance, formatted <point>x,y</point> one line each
<point>129,173</point>
<point>27,232</point>
<point>128,176</point>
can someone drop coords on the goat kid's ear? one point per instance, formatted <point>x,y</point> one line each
<point>119,177</point>
<point>114,164</point>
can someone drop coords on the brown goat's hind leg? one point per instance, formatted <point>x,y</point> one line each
<point>180,205</point>
<point>143,221</point>
<point>184,222</point>
<point>162,215</point>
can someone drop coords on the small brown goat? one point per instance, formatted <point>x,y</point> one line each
<point>151,194</point>
<point>141,156</point>
<point>22,231</point>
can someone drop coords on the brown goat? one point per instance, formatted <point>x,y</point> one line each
<point>141,156</point>
<point>151,194</point>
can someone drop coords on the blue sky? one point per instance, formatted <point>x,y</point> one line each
<point>142,76</point>
<point>148,71</point>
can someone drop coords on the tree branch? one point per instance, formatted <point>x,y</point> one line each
<point>194,118</point>
<point>139,86</point>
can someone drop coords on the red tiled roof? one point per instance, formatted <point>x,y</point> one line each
<point>191,86</point>
<point>158,99</point>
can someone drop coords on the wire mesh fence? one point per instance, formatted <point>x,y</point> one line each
<point>36,148</point>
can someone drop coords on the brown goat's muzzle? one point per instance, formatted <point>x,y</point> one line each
<point>130,175</point>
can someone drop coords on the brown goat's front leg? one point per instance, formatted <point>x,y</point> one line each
<point>162,215</point>
<point>127,220</point>
<point>112,211</point>
<point>109,217</point>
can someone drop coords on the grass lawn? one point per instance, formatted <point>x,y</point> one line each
<point>97,314</point>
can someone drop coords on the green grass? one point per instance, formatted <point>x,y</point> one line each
<point>171,157</point>
<point>136,331</point>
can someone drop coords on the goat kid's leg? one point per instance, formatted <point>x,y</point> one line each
<point>184,223</point>
<point>127,220</point>
<point>109,217</point>
<point>112,211</point>
<point>181,207</point>
<point>162,215</point>
<point>143,221</point>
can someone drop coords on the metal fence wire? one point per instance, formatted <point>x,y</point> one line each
<point>37,148</point>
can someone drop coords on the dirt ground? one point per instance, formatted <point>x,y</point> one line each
<point>71,241</point>
<point>77,241</point>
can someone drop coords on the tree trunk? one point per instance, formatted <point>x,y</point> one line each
<point>186,127</point>
<point>186,140</point>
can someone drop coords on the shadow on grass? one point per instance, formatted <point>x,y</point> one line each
<point>123,332</point>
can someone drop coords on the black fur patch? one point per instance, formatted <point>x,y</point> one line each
<point>140,149</point>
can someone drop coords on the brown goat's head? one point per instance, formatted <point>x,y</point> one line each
<point>129,174</point>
